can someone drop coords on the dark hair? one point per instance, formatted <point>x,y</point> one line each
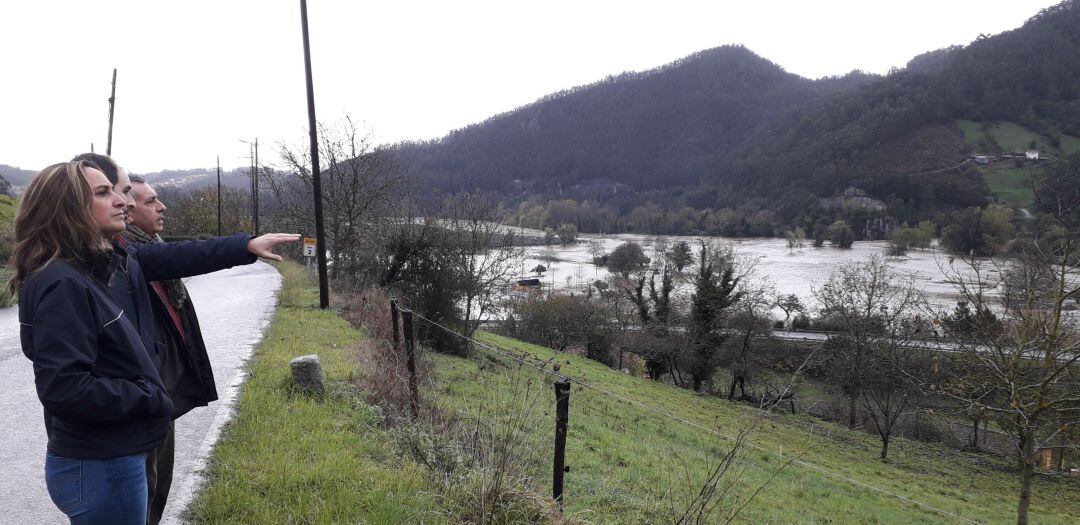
<point>135,179</point>
<point>103,163</point>
<point>54,220</point>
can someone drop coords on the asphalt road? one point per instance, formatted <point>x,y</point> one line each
<point>234,306</point>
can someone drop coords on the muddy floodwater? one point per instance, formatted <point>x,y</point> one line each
<point>789,271</point>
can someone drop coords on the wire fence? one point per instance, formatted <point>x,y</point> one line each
<point>625,455</point>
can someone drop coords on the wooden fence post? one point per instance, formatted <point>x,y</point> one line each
<point>410,361</point>
<point>396,337</point>
<point>562,417</point>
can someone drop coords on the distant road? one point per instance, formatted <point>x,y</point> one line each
<point>235,307</point>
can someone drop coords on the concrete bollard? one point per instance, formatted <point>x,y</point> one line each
<point>308,374</point>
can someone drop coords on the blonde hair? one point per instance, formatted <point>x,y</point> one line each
<point>54,221</point>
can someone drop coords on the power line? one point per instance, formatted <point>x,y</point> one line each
<point>698,426</point>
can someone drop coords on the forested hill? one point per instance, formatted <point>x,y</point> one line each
<point>14,176</point>
<point>677,120</point>
<point>727,130</point>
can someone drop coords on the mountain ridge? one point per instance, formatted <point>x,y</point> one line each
<point>723,127</point>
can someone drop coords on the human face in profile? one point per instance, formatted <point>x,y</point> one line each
<point>123,188</point>
<point>107,207</point>
<point>149,212</point>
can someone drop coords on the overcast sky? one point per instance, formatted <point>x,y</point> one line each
<point>196,76</point>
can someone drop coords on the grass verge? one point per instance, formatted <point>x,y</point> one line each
<point>290,458</point>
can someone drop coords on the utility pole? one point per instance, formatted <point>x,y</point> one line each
<point>253,181</point>
<point>219,196</point>
<point>251,178</point>
<point>255,187</point>
<point>112,104</point>
<point>320,233</point>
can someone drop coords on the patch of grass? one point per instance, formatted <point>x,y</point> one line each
<point>291,458</point>
<point>1010,137</point>
<point>7,212</point>
<point>974,134</point>
<point>1011,184</point>
<point>1070,144</point>
<point>8,206</point>
<point>1013,137</point>
<point>631,465</point>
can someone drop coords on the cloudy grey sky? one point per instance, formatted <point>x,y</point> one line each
<point>197,76</point>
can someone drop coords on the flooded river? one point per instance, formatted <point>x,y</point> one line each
<point>789,271</point>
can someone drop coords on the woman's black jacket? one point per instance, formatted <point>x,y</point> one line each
<point>100,390</point>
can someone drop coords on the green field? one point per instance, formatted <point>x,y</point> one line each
<point>1009,137</point>
<point>1011,184</point>
<point>292,458</point>
<point>1008,180</point>
<point>630,464</point>
<point>1070,145</point>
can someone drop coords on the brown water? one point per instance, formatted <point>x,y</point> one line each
<point>798,271</point>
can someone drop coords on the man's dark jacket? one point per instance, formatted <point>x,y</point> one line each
<point>100,390</point>
<point>132,291</point>
<point>186,369</point>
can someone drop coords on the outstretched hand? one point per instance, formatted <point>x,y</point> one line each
<point>263,245</point>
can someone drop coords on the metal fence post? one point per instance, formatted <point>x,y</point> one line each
<point>562,417</point>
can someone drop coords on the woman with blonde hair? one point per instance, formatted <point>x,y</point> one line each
<point>105,405</point>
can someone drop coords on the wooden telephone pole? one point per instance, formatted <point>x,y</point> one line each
<point>112,104</point>
<point>219,196</point>
<point>320,231</point>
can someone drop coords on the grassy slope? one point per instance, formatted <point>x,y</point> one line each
<point>7,216</point>
<point>624,459</point>
<point>7,212</point>
<point>287,458</point>
<point>1009,182</point>
<point>1070,145</point>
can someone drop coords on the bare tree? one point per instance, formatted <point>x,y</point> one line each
<point>749,321</point>
<point>790,304</point>
<point>1022,365</point>
<point>889,391</point>
<point>864,298</point>
<point>484,251</point>
<point>194,212</point>
<point>361,187</point>
<point>1022,369</point>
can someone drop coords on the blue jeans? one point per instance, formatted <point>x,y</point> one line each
<point>98,491</point>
